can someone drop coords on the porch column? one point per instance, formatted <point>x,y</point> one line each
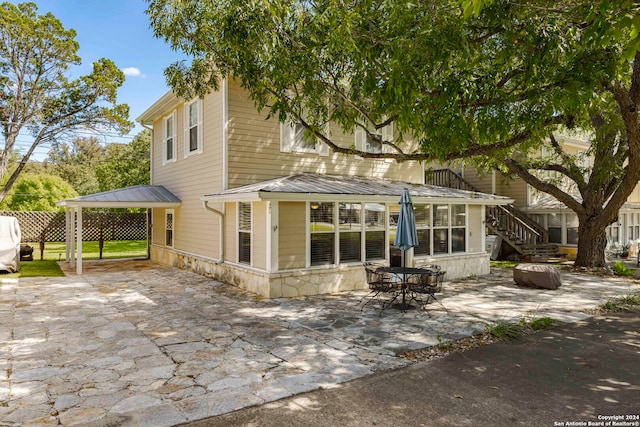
<point>79,266</point>
<point>272,236</point>
<point>67,234</point>
<point>72,236</point>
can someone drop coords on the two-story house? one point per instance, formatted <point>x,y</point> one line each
<point>259,205</point>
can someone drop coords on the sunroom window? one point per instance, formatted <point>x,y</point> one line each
<point>322,230</point>
<point>375,241</point>
<point>458,228</point>
<point>423,229</point>
<point>350,232</point>
<point>440,229</point>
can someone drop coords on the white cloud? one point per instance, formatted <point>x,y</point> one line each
<point>132,72</point>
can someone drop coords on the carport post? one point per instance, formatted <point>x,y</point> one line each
<point>72,236</point>
<point>79,265</point>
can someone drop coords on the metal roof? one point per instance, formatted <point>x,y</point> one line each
<point>550,203</point>
<point>138,196</point>
<point>338,187</point>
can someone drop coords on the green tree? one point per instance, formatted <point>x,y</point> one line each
<point>76,163</point>
<point>125,165</point>
<point>36,95</point>
<point>491,82</point>
<point>38,192</point>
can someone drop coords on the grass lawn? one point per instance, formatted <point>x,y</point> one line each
<point>112,249</point>
<point>55,251</point>
<point>36,268</point>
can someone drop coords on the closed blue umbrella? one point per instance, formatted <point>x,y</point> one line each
<point>406,235</point>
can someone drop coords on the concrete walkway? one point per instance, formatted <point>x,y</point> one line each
<point>135,343</point>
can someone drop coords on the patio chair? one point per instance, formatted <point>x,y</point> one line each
<point>378,283</point>
<point>426,286</point>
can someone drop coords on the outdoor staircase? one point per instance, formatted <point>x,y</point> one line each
<point>521,233</point>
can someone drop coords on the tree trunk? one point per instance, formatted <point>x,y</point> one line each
<point>593,241</point>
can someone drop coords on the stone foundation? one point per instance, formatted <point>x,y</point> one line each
<point>312,281</point>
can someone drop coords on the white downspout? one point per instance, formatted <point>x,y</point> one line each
<point>205,204</point>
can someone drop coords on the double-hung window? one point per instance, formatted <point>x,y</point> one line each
<point>244,232</point>
<point>168,227</point>
<point>375,241</point>
<point>350,232</point>
<point>193,127</point>
<point>440,229</point>
<point>449,228</point>
<point>169,138</point>
<point>423,229</point>
<point>458,228</point>
<point>322,233</point>
<point>294,138</point>
<point>572,228</point>
<point>372,141</point>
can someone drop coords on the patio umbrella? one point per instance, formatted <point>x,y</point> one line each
<point>406,235</point>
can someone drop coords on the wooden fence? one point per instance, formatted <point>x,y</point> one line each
<point>96,226</point>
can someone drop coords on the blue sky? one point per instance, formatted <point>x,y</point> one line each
<point>118,30</point>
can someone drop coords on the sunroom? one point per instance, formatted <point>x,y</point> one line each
<point>309,234</point>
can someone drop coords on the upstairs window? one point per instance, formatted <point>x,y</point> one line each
<point>193,127</point>
<point>169,138</point>
<point>371,142</point>
<point>295,139</point>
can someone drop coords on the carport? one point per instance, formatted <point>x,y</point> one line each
<point>139,196</point>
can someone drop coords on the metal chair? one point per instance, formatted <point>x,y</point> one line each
<point>378,283</point>
<point>425,287</point>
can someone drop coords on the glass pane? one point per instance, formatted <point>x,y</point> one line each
<point>458,215</point>
<point>374,216</point>
<point>322,246</point>
<point>554,220</point>
<point>301,141</point>
<point>168,238</point>
<point>440,215</point>
<point>375,245</point>
<point>422,216</point>
<point>321,216</point>
<point>539,218</point>
<point>572,220</point>
<point>458,239</point>
<point>349,214</point>
<point>193,114</point>
<point>555,234</point>
<point>244,250</point>
<point>440,241</point>
<point>193,138</point>
<point>424,237</point>
<point>244,216</point>
<point>169,128</point>
<point>374,144</point>
<point>169,148</point>
<point>350,247</point>
<point>572,236</point>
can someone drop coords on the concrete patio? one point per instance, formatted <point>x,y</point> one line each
<point>136,343</point>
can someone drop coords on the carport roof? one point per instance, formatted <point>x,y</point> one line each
<point>138,196</point>
<point>349,188</point>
